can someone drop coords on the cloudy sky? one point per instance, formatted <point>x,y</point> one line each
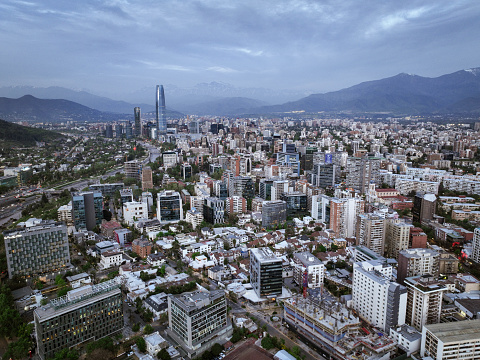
<point>111,47</point>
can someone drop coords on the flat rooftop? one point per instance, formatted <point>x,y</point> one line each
<point>264,254</point>
<point>458,331</point>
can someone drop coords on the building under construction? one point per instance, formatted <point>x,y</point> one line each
<point>334,329</point>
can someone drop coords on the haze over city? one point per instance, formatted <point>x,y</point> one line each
<point>113,48</point>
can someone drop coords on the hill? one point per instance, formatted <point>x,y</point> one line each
<point>18,135</point>
<point>400,94</point>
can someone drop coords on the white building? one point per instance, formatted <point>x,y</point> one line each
<point>307,263</point>
<point>405,186</point>
<point>377,299</point>
<point>170,159</point>
<point>407,338</point>
<point>65,213</point>
<point>155,343</point>
<point>476,245</point>
<point>109,259</point>
<point>133,211</point>
<point>194,217</point>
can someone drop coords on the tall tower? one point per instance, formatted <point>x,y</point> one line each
<point>138,122</point>
<point>161,121</point>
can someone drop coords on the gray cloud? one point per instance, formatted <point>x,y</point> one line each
<point>114,47</point>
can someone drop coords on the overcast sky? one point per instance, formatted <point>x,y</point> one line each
<point>117,46</point>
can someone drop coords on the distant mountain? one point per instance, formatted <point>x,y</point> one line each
<point>400,94</point>
<point>225,106</point>
<point>184,98</point>
<point>18,135</point>
<point>32,109</point>
<point>82,97</point>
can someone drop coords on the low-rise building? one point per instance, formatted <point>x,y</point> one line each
<point>110,259</point>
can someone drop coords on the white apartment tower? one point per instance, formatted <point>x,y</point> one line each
<point>376,298</point>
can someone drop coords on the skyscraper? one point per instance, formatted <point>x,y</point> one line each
<point>161,121</point>
<point>138,121</point>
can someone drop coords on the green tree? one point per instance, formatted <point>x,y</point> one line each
<point>164,355</point>
<point>148,329</point>
<point>136,327</point>
<point>141,344</point>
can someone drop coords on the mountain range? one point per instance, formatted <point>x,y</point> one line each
<point>403,94</point>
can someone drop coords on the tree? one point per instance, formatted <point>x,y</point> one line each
<point>164,355</point>
<point>141,344</point>
<point>161,271</point>
<point>136,327</point>
<point>148,329</point>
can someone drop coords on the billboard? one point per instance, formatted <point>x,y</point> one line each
<point>328,158</point>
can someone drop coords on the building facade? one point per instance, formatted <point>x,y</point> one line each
<point>274,213</point>
<point>198,319</point>
<point>87,210</point>
<point>37,250</point>
<point>87,313</point>
<point>308,270</point>
<point>265,272</point>
<point>169,207</point>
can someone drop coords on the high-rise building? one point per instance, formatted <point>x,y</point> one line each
<point>323,175</point>
<point>133,169</point>
<point>138,122</point>
<point>362,171</point>
<point>308,270</point>
<point>135,210</point>
<point>161,115</point>
<point>220,189</point>
<point>278,188</point>
<point>476,245</point>
<point>147,178</point>
<point>214,210</point>
<point>265,272</point>
<point>109,131</point>
<point>87,210</point>
<point>397,237</point>
<point>86,313</point>
<point>296,203</point>
<point>424,301</point>
<point>376,298</point>
<point>198,319</point>
<point>37,250</point>
<point>343,215</point>
<point>235,204</point>
<point>274,213</point>
<point>415,262</point>
<point>186,171</point>
<point>243,186</point>
<point>128,130</point>
<point>118,131</point>
<point>169,206</point>
<point>265,188</point>
<point>370,232</point>
<point>451,341</point>
<point>424,206</point>
<point>321,208</point>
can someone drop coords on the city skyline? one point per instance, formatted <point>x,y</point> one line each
<point>113,48</point>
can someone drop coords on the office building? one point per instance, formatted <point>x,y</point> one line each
<point>186,171</point>
<point>274,213</point>
<point>197,320</point>
<point>451,341</point>
<point>37,250</point>
<point>370,232</point>
<point>424,300</point>
<point>87,313</point>
<point>265,188</point>
<point>397,237</point>
<point>279,187</point>
<point>415,262</point>
<point>126,195</point>
<point>147,178</point>
<point>87,210</point>
<point>133,169</point>
<point>220,189</point>
<point>424,206</point>
<point>243,186</point>
<point>376,298</point>
<point>235,204</point>
<point>308,270</point>
<point>321,208</point>
<point>138,122</point>
<point>161,115</point>
<point>323,175</point>
<point>343,215</point>
<point>118,131</point>
<point>128,130</point>
<point>213,210</point>
<point>265,273</point>
<point>169,207</point>
<point>135,210</point>
<point>109,131</point>
<point>296,202</point>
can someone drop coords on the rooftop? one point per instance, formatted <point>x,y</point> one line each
<point>459,331</point>
<point>264,254</point>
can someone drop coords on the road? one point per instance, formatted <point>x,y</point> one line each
<point>275,329</point>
